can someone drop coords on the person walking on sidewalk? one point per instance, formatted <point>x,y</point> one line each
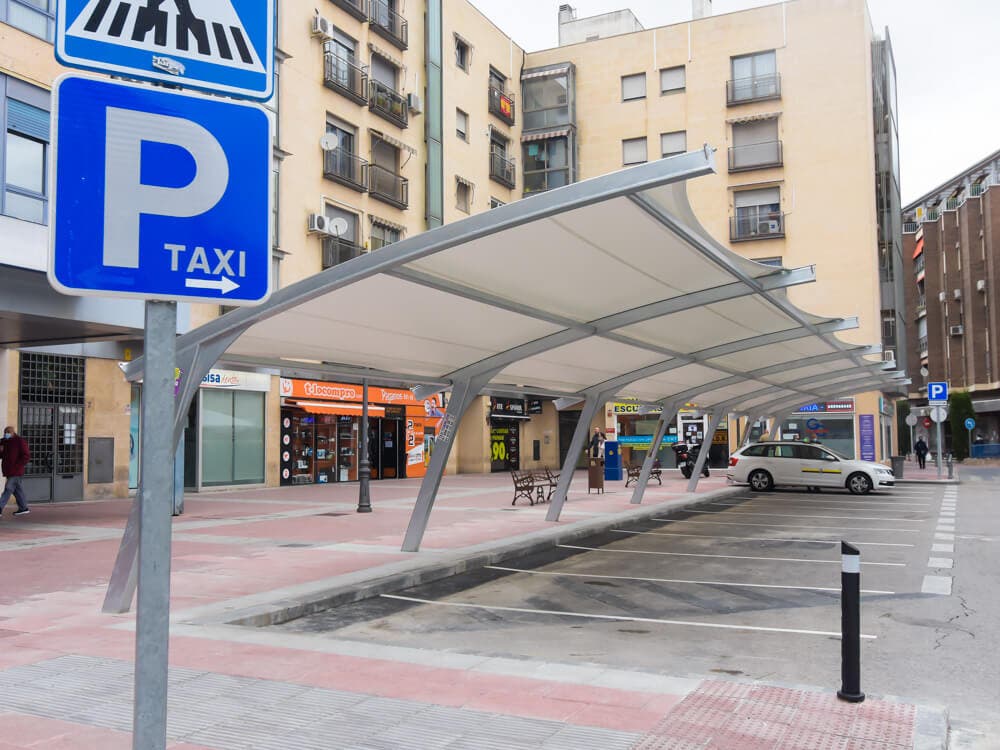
<point>920,448</point>
<point>597,443</point>
<point>14,457</point>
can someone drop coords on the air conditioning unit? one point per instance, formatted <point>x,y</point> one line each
<point>956,330</point>
<point>768,227</point>
<point>414,103</point>
<point>322,27</point>
<point>942,296</point>
<point>981,285</point>
<point>889,355</point>
<point>957,293</point>
<point>319,224</point>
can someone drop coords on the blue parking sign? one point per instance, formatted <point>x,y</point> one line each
<point>937,391</point>
<point>218,45</point>
<point>159,194</point>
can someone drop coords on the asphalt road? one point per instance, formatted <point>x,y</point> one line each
<point>746,587</point>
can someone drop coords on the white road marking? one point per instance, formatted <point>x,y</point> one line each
<point>940,562</point>
<point>618,618</point>
<point>758,499</point>
<point>936,585</point>
<point>680,580</point>
<point>795,515</point>
<point>942,548</point>
<point>782,525</point>
<point>763,539</point>
<point>725,557</point>
<point>944,537</point>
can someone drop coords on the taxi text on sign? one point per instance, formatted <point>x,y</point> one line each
<point>937,391</point>
<point>159,194</point>
<point>225,46</point>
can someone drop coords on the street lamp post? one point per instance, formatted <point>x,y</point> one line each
<point>364,466</point>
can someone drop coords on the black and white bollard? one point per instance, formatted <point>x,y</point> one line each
<point>850,625</point>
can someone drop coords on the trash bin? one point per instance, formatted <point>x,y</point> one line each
<point>595,475</point>
<point>897,466</point>
<point>613,461</point>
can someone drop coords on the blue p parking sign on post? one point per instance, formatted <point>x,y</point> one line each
<point>937,391</point>
<point>218,45</point>
<point>159,195</point>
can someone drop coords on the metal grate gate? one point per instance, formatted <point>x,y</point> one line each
<point>51,420</point>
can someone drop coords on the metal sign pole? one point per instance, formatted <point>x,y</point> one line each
<point>939,459</point>
<point>149,721</point>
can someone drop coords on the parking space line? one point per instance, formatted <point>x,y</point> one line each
<point>681,580</point>
<point>813,500</point>
<point>762,539</point>
<point>784,525</point>
<point>794,515</point>
<point>724,557</point>
<point>621,618</point>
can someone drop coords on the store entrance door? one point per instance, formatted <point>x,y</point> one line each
<point>390,445</point>
<point>55,439</point>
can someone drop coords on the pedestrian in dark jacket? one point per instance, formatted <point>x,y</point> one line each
<point>920,448</point>
<point>597,443</point>
<point>14,457</point>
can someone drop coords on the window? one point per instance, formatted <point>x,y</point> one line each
<point>383,233</point>
<point>758,214</point>
<point>771,261</point>
<point>463,54</point>
<point>755,451</point>
<point>672,79</point>
<point>25,151</point>
<point>342,163</point>
<point>498,80</point>
<point>546,101</point>
<point>461,125</point>
<point>275,202</point>
<point>633,151</point>
<point>546,164</point>
<point>674,143</point>
<point>340,247</point>
<point>754,77</point>
<point>781,451</point>
<point>755,144</point>
<point>495,203</point>
<point>634,87</point>
<point>463,194</point>
<point>383,71</point>
<point>888,326</point>
<point>37,17</point>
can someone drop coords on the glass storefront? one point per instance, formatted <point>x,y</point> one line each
<point>232,430</point>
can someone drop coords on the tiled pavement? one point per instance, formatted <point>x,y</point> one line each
<point>65,668</point>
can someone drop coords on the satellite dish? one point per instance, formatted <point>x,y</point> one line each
<point>329,142</point>
<point>336,226</point>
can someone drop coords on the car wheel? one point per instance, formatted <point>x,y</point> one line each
<point>859,484</point>
<point>760,481</point>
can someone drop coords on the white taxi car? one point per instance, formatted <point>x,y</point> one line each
<point>765,465</point>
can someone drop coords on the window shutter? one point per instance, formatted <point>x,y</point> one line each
<point>27,120</point>
<point>634,87</point>
<point>762,197</point>
<point>673,143</point>
<point>672,79</point>
<point>634,151</point>
<point>761,131</point>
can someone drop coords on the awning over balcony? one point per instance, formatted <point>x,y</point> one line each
<point>528,137</point>
<point>393,141</point>
<point>553,71</point>
<point>753,118</point>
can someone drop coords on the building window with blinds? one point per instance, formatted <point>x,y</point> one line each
<point>36,17</point>
<point>674,143</point>
<point>672,79</point>
<point>25,151</point>
<point>633,87</point>
<point>758,215</point>
<point>633,151</point>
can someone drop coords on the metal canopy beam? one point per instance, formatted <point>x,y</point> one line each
<point>670,411</point>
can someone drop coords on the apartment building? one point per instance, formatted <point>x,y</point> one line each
<point>951,244</point>
<point>392,119</point>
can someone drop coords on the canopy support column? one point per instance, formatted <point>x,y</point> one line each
<point>463,393</point>
<point>591,404</point>
<point>706,445</point>
<point>666,417</point>
<point>194,364</point>
<point>752,419</point>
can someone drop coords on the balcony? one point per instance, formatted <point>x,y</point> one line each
<point>387,103</point>
<point>755,156</point>
<point>357,8</point>
<point>345,76</point>
<point>976,190</point>
<point>910,227</point>
<point>765,227</point>
<point>388,187</point>
<point>919,264</point>
<point>346,168</point>
<point>933,214</point>
<point>755,89</point>
<point>337,250</point>
<point>922,346</point>
<point>952,204</point>
<point>502,105</point>
<point>502,169</point>
<point>388,24</point>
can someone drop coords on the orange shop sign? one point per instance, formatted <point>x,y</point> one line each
<point>318,389</point>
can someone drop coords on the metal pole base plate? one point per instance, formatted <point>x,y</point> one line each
<point>850,697</point>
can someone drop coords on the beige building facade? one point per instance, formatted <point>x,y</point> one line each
<point>391,119</point>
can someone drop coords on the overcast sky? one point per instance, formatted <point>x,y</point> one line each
<point>946,62</point>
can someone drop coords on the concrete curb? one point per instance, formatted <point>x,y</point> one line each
<point>315,597</point>
<point>931,482</point>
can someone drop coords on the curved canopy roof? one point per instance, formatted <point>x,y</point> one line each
<point>608,287</point>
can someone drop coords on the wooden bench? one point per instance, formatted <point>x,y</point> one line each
<point>634,470</point>
<point>534,486</point>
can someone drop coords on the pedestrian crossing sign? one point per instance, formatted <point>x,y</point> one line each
<point>223,46</point>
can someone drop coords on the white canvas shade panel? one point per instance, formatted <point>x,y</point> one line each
<point>538,276</point>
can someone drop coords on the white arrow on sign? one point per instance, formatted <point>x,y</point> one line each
<point>224,285</point>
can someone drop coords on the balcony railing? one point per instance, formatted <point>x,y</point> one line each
<point>357,8</point>
<point>755,156</point>
<point>345,76</point>
<point>910,227</point>
<point>337,250</point>
<point>922,345</point>
<point>346,168</point>
<point>502,105</point>
<point>388,186</point>
<point>388,24</point>
<point>951,204</point>
<point>919,263</point>
<point>765,227</point>
<point>754,89</point>
<point>388,103</point>
<point>978,189</point>
<point>502,169</point>
<point>933,214</point>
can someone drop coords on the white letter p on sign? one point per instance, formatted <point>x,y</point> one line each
<point>126,198</point>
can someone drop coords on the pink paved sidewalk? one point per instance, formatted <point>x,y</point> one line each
<point>237,544</point>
